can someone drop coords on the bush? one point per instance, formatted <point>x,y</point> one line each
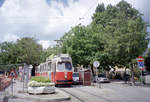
<point>39,84</point>
<point>40,79</point>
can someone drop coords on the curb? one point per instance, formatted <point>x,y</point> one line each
<point>2,98</point>
<point>3,95</point>
<point>38,99</point>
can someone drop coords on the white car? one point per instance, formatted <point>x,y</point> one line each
<point>75,77</point>
<point>101,78</point>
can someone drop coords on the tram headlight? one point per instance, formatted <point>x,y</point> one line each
<point>65,75</point>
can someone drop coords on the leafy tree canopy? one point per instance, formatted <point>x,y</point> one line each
<point>25,50</point>
<point>29,51</point>
<point>116,36</point>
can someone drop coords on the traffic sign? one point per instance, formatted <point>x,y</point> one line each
<point>141,64</point>
<point>140,61</point>
<point>96,64</point>
<point>12,73</point>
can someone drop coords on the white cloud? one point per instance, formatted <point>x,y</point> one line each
<point>10,37</point>
<point>46,43</point>
<point>35,18</point>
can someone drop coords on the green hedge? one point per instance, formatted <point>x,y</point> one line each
<point>40,79</point>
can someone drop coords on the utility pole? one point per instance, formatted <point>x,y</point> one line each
<point>58,45</point>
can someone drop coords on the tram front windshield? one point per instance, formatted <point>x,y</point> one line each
<point>64,66</point>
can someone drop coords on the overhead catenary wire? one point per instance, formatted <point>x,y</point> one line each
<point>83,16</point>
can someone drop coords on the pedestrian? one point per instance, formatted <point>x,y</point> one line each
<point>126,77</point>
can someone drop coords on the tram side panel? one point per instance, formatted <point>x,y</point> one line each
<point>63,75</point>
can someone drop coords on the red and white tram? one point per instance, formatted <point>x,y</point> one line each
<point>58,69</point>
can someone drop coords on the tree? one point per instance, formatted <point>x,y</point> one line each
<point>125,31</point>
<point>8,53</point>
<point>29,51</point>
<point>115,37</point>
<point>50,51</point>
<point>73,41</point>
<point>100,8</point>
<point>25,50</point>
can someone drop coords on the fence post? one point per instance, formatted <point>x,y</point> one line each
<point>0,83</point>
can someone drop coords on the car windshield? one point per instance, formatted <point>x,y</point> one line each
<point>101,75</point>
<point>75,74</point>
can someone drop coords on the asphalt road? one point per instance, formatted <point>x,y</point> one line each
<point>109,92</point>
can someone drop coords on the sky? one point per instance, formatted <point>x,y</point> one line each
<point>48,20</point>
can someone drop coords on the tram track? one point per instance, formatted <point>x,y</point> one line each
<point>90,94</point>
<point>81,100</point>
<point>107,100</point>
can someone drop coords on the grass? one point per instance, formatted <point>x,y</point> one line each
<point>40,79</point>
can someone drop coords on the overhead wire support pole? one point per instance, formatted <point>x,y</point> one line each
<point>58,45</point>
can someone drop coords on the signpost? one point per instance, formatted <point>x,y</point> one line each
<point>24,73</point>
<point>140,61</point>
<point>96,65</point>
<point>12,75</point>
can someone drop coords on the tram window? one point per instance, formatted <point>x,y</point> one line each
<point>68,66</point>
<point>53,67</point>
<point>49,66</point>
<point>61,66</point>
<point>44,67</point>
<point>40,68</point>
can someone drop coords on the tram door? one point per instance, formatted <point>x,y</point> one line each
<point>53,71</point>
<point>33,71</point>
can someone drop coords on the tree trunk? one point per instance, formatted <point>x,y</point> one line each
<point>33,70</point>
<point>92,71</point>
<point>132,75</point>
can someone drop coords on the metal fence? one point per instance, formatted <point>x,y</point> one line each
<point>4,82</point>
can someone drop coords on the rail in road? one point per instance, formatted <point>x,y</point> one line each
<point>84,96</point>
<point>75,96</point>
<point>107,100</point>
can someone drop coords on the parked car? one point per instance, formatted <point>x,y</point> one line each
<point>101,79</point>
<point>146,77</point>
<point>75,77</point>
